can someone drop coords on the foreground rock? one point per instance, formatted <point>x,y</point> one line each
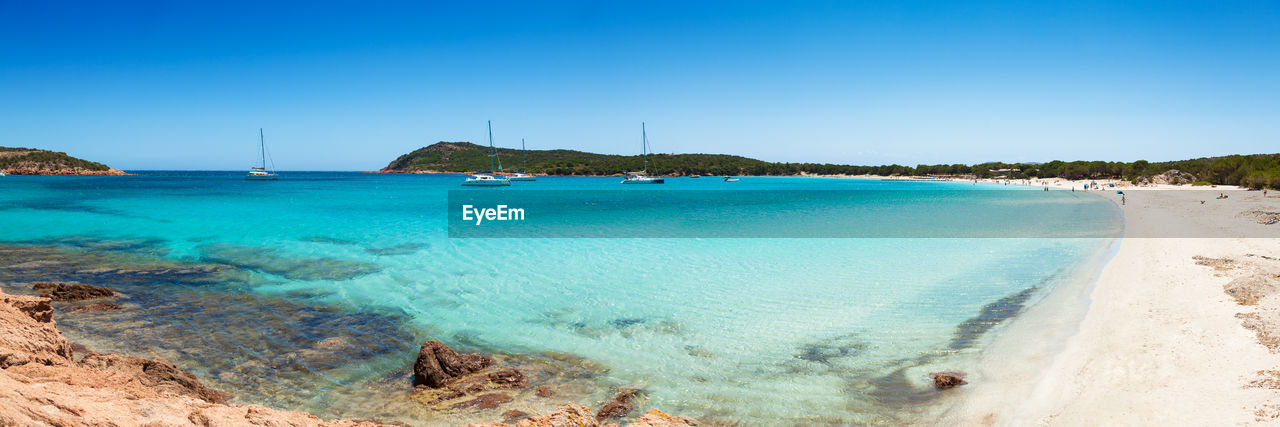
<point>42,384</point>
<point>159,375</point>
<point>438,365</point>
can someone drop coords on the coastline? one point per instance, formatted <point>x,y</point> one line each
<point>1158,340</point>
<point>65,172</point>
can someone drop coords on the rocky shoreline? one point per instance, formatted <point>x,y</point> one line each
<point>45,379</point>
<point>75,172</point>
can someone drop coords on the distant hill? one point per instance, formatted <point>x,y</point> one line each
<point>462,157</point>
<point>1254,170</point>
<point>31,161</point>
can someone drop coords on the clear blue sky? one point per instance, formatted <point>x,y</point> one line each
<point>186,84</point>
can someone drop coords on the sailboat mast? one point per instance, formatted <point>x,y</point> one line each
<point>644,147</point>
<point>491,146</point>
<point>524,157</point>
<point>262,148</point>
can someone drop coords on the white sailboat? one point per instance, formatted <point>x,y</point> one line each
<point>261,173</point>
<point>642,177</point>
<point>523,175</point>
<point>488,179</point>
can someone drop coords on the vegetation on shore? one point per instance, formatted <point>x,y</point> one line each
<point>1254,171</point>
<point>31,161</point>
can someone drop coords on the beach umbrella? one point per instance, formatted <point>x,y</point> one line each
<point>1119,192</point>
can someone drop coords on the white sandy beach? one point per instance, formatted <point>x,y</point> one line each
<point>1160,342</point>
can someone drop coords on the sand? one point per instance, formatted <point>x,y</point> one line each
<point>1158,341</point>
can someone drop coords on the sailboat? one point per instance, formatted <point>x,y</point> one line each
<point>488,179</point>
<point>642,177</point>
<point>261,173</point>
<point>523,175</point>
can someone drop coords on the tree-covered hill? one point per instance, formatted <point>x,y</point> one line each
<point>1256,171</point>
<point>31,161</point>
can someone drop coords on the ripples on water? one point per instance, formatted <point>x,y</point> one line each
<point>321,305</point>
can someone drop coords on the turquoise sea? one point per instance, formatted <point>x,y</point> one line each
<point>313,292</point>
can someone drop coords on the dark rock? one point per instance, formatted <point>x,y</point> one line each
<point>404,249</point>
<point>158,374</point>
<point>38,308</point>
<point>623,322</point>
<point>829,350</point>
<point>544,391</point>
<point>484,401</point>
<point>968,332</point>
<point>946,380</point>
<point>71,291</point>
<point>512,416</point>
<point>621,404</point>
<point>508,378</point>
<point>438,364</point>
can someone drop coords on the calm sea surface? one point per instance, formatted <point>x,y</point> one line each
<point>323,285</point>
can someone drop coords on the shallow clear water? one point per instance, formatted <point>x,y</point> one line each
<point>755,330</point>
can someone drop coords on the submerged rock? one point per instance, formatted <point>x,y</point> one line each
<point>969,331</point>
<point>828,350</point>
<point>620,405</point>
<point>513,416</point>
<point>656,418</point>
<point>401,249</point>
<point>89,308</point>
<point>438,364</point>
<point>946,380</point>
<point>484,401</point>
<point>297,268</point>
<point>508,378</point>
<point>61,291</point>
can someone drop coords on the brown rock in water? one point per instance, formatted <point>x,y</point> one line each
<point>621,404</point>
<point>102,306</point>
<point>544,391</point>
<point>656,418</point>
<point>946,380</point>
<point>512,416</point>
<point>438,364</point>
<point>508,378</point>
<point>59,291</point>
<point>484,401</point>
<point>159,375</point>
